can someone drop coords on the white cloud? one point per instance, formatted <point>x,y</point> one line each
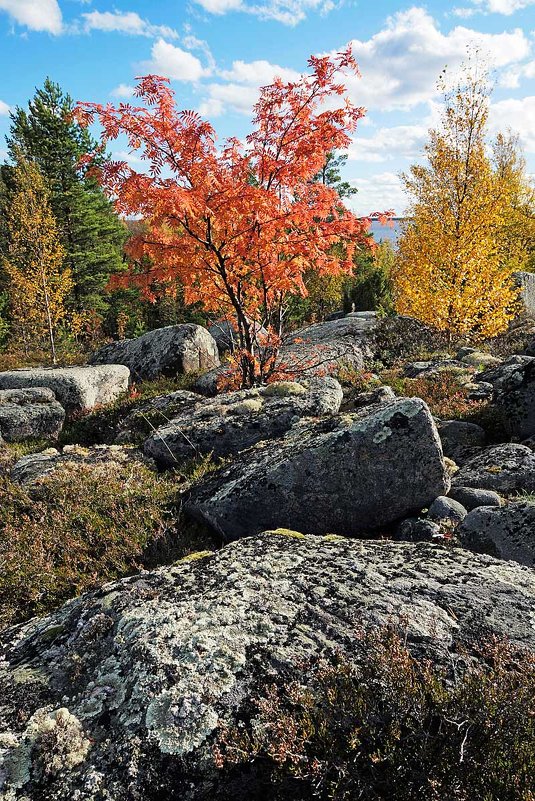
<point>389,144</point>
<point>289,12</point>
<point>258,73</point>
<point>38,15</point>
<point>401,63</point>
<point>519,116</point>
<point>241,91</point>
<point>125,22</point>
<point>380,192</point>
<point>223,97</point>
<point>511,78</point>
<point>173,62</point>
<point>4,109</point>
<point>123,90</point>
<point>506,7</point>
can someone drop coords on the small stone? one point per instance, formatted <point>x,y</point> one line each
<point>444,508</point>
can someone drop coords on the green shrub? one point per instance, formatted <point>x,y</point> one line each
<point>388,727</point>
<point>85,525</point>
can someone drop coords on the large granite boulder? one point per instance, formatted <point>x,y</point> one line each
<point>168,351</point>
<point>316,350</point>
<point>507,532</point>
<point>118,695</point>
<point>30,414</point>
<point>324,347</point>
<point>237,420</point>
<point>345,475</point>
<point>76,388</point>
<point>507,469</point>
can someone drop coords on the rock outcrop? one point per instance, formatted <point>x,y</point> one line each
<point>236,420</point>
<point>507,532</point>
<point>118,694</point>
<point>30,414</point>
<point>76,388</point>
<point>346,475</point>
<point>168,351</point>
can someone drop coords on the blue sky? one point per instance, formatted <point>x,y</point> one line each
<point>218,52</point>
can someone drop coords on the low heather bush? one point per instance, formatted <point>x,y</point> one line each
<point>389,727</point>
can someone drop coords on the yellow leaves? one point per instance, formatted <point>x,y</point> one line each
<point>452,271</point>
<point>34,265</point>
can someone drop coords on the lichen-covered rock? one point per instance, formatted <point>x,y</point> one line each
<point>168,351</point>
<point>507,469</point>
<point>118,694</point>
<point>471,498</point>
<point>31,468</point>
<point>346,475</point>
<point>418,529</point>
<point>507,532</point>
<point>237,420</point>
<point>76,388</point>
<point>30,414</point>
<point>383,394</point>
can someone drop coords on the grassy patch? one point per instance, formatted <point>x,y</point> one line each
<point>85,525</point>
<point>388,726</point>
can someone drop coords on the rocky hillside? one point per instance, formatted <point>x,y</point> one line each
<point>318,588</point>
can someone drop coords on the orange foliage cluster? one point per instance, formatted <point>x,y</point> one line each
<point>238,226</point>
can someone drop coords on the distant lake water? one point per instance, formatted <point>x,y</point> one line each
<point>390,232</point>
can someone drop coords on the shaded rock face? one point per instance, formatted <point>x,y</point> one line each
<point>506,469</point>
<point>347,475</point>
<point>460,440</point>
<point>30,413</point>
<point>30,469</point>
<point>516,399</point>
<point>141,673</point>
<point>237,420</point>
<point>507,533</point>
<point>76,388</point>
<point>168,351</point>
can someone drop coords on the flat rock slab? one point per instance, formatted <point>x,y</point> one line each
<point>507,469</point>
<point>169,351</point>
<point>237,420</point>
<point>347,475</point>
<point>323,347</point>
<point>507,532</point>
<point>76,388</point>
<point>30,414</point>
<point>136,677</point>
<point>32,468</point>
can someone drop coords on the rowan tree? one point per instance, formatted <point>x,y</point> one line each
<point>451,271</point>
<point>38,284</point>
<point>239,226</point>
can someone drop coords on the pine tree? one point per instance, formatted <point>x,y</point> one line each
<point>38,283</point>
<point>91,233</point>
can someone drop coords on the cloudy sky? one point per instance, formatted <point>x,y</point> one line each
<point>218,52</point>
